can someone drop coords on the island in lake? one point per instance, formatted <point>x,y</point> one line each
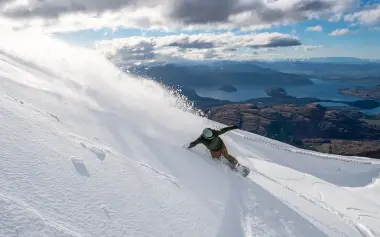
<point>228,88</point>
<point>280,96</point>
<point>368,93</point>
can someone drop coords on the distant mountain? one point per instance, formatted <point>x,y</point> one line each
<point>341,60</point>
<point>241,66</point>
<point>332,67</point>
<point>218,74</point>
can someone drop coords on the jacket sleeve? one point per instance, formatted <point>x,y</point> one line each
<point>226,129</point>
<point>196,142</point>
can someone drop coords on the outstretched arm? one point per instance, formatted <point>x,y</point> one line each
<point>194,143</point>
<point>226,129</point>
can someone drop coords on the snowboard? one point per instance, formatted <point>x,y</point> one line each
<point>243,170</point>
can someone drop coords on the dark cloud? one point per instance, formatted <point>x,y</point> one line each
<point>201,11</point>
<point>45,10</point>
<point>210,54</point>
<point>278,41</point>
<point>282,42</point>
<point>200,46</point>
<point>138,52</point>
<point>187,12</point>
<point>195,44</point>
<point>54,8</point>
<point>230,50</point>
<point>270,15</point>
<point>227,42</point>
<point>3,2</point>
<point>313,5</point>
<point>212,11</point>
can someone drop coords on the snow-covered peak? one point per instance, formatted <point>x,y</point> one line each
<point>86,150</point>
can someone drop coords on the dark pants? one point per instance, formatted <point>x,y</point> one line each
<point>223,151</point>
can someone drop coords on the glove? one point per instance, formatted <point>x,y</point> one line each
<point>234,127</point>
<point>190,146</point>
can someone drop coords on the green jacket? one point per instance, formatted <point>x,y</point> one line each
<point>214,144</point>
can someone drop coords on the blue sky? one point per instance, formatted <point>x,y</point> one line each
<point>363,42</point>
<point>148,30</point>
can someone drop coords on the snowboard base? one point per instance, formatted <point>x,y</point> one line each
<point>243,170</point>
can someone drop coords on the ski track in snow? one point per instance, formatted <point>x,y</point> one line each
<point>162,174</point>
<point>97,153</point>
<point>321,196</point>
<point>26,221</point>
<point>304,152</point>
<point>362,228</point>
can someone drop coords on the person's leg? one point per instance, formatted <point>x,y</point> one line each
<point>215,154</point>
<point>230,158</point>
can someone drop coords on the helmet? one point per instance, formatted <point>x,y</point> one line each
<point>207,133</point>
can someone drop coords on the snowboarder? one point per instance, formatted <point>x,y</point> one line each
<point>210,138</point>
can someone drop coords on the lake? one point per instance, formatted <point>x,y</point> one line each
<point>321,89</point>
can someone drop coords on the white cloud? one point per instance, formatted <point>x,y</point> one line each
<point>339,32</point>
<point>311,47</point>
<point>370,15</point>
<point>317,28</point>
<point>73,15</point>
<point>197,46</point>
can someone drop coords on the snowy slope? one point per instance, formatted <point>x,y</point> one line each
<point>86,150</point>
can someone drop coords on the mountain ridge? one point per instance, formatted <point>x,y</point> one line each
<point>204,75</point>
